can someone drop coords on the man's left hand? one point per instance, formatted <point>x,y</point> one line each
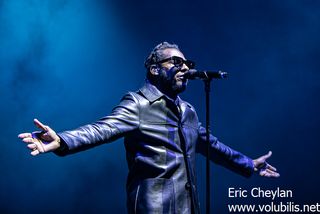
<point>263,168</point>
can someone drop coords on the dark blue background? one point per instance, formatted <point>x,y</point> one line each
<point>68,63</point>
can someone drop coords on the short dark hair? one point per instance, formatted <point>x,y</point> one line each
<point>156,54</point>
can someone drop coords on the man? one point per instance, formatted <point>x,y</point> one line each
<point>161,134</point>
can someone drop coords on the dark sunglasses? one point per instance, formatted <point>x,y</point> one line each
<point>178,61</point>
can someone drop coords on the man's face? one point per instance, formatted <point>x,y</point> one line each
<point>171,73</point>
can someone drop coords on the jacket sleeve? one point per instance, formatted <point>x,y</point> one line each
<point>123,119</point>
<point>224,155</point>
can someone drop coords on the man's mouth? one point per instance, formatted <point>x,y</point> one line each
<point>181,78</point>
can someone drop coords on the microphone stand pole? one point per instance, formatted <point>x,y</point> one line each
<point>207,91</point>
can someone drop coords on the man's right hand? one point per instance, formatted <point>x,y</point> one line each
<point>41,142</point>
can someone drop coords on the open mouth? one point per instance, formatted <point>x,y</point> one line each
<point>180,77</point>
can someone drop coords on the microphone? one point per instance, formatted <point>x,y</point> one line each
<point>205,75</point>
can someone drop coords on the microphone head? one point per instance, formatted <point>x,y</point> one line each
<point>205,75</point>
<point>223,74</point>
<point>190,74</point>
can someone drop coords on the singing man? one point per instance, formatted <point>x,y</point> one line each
<point>162,135</point>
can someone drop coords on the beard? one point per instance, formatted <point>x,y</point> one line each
<point>169,84</point>
<point>179,86</point>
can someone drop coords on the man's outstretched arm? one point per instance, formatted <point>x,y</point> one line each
<point>123,119</point>
<point>234,160</point>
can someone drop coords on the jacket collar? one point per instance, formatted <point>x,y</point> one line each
<point>152,93</point>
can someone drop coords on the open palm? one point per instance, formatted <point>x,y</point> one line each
<point>42,141</point>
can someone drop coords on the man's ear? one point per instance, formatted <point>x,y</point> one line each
<point>154,69</point>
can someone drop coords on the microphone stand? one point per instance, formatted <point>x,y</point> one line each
<point>207,76</point>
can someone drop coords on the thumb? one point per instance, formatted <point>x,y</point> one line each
<point>265,157</point>
<point>40,125</point>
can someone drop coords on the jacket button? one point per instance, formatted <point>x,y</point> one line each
<point>187,186</point>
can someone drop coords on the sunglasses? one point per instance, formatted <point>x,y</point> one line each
<point>178,61</point>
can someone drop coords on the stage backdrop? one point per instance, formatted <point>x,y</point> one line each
<point>68,63</point>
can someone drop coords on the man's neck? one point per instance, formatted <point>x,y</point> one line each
<point>164,90</point>
<point>169,93</point>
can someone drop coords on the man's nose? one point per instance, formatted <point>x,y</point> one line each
<point>184,67</point>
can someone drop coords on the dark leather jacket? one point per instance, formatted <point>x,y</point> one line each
<point>161,138</point>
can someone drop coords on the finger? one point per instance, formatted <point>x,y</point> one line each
<point>36,144</point>
<point>272,173</point>
<point>271,167</point>
<point>32,146</point>
<point>263,173</point>
<point>40,125</point>
<point>24,135</point>
<point>269,174</point>
<point>35,152</point>
<point>39,146</point>
<point>28,140</point>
